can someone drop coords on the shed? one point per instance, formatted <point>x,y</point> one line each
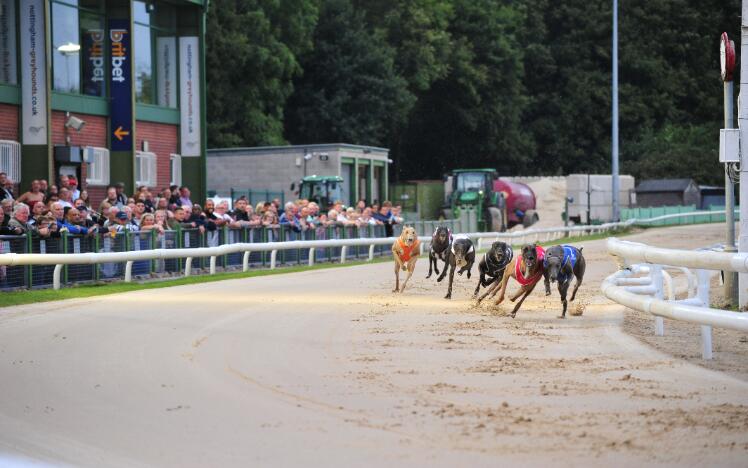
<point>273,169</point>
<point>667,192</point>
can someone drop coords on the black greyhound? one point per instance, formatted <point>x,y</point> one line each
<point>460,254</point>
<point>562,263</point>
<point>492,265</point>
<point>440,242</point>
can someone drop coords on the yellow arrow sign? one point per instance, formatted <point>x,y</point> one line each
<point>119,133</point>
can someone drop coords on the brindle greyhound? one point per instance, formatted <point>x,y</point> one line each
<point>562,263</point>
<point>440,242</point>
<point>493,264</point>
<point>527,269</point>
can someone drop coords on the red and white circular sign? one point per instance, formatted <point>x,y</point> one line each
<point>726,57</point>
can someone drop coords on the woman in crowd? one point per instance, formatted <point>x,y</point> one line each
<point>148,224</point>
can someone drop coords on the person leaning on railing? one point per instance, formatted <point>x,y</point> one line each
<point>179,220</point>
<point>19,223</point>
<point>75,225</point>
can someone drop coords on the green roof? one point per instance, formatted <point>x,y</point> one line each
<point>457,171</point>
<point>322,178</point>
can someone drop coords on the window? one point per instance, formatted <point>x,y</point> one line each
<point>155,53</point>
<point>175,169</point>
<point>10,159</point>
<point>98,166</point>
<point>78,47</point>
<point>8,73</point>
<point>145,169</point>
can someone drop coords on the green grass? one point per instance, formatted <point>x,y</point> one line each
<point>45,295</point>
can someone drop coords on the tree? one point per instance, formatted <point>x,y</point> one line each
<point>349,91</point>
<point>251,59</point>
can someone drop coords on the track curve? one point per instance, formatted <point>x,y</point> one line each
<point>327,367</point>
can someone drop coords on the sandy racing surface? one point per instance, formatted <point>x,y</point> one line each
<point>328,368</point>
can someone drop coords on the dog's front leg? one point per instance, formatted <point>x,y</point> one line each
<point>481,280</point>
<point>488,291</point>
<point>451,279</point>
<point>519,304</point>
<point>397,277</point>
<point>411,269</point>
<point>431,261</point>
<point>444,271</point>
<point>563,288</point>
<point>547,282</point>
<point>502,291</point>
<point>577,283</point>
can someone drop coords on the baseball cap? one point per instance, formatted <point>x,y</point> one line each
<point>72,180</point>
<point>122,216</point>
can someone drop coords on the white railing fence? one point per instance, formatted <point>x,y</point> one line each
<point>482,239</point>
<point>644,283</point>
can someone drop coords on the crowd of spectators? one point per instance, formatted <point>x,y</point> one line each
<point>48,210</point>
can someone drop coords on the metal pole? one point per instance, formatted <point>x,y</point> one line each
<point>614,136</point>
<point>731,278</point>
<point>589,193</point>
<point>743,125</point>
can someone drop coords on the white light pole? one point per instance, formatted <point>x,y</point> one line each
<point>743,126</point>
<point>727,67</point>
<point>614,130</point>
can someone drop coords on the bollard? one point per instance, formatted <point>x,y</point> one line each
<point>343,251</point>
<point>56,277</point>
<point>371,252</point>
<point>245,261</point>
<point>188,266</point>
<point>213,265</point>
<point>311,256</point>
<point>128,272</point>
<point>706,341</point>
<point>273,256</point>
<point>479,243</point>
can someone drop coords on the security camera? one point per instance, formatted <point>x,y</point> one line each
<point>308,156</point>
<point>75,123</point>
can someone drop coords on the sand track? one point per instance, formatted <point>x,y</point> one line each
<point>329,368</point>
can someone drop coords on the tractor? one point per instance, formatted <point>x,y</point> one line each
<point>324,190</point>
<point>497,204</point>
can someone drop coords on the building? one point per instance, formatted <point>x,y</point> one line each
<point>108,90</point>
<point>590,196</point>
<point>667,192</point>
<point>276,168</point>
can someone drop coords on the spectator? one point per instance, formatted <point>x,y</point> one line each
<point>179,220</point>
<point>289,219</point>
<point>4,220</point>
<point>184,197</point>
<point>7,205</point>
<point>4,192</point>
<point>64,181</point>
<point>222,214</point>
<point>160,218</point>
<point>269,220</point>
<point>37,211</point>
<point>58,211</point>
<point>66,197</point>
<point>46,226</point>
<point>103,214</point>
<point>73,187</point>
<point>118,222</point>
<point>361,205</point>
<point>138,211</point>
<point>119,189</point>
<point>20,222</point>
<point>33,196</point>
<point>74,225</point>
<point>241,214</point>
<point>43,186</point>
<point>148,224</point>
<point>52,192</point>
<point>162,204</point>
<point>197,218</point>
<point>212,219</point>
<point>86,200</point>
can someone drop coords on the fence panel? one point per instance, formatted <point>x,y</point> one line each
<point>13,277</point>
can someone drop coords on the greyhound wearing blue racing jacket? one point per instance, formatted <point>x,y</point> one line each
<point>562,263</point>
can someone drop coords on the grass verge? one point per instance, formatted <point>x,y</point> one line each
<point>13,298</point>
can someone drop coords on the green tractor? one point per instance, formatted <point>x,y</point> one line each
<point>494,204</point>
<point>324,190</point>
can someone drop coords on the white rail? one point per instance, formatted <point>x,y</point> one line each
<point>646,293</point>
<point>520,237</point>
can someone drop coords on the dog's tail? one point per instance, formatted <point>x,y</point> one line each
<point>581,248</point>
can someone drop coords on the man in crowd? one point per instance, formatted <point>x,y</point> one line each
<point>184,197</point>
<point>33,196</point>
<point>20,222</point>
<point>73,187</point>
<point>120,190</point>
<point>5,194</point>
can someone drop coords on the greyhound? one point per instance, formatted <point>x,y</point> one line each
<point>461,254</point>
<point>561,264</point>
<point>492,266</point>
<point>440,242</point>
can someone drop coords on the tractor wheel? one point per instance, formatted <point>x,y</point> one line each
<point>531,217</point>
<point>496,223</point>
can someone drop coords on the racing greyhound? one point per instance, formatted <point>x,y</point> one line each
<point>561,264</point>
<point>492,266</point>
<point>440,242</point>
<point>461,254</point>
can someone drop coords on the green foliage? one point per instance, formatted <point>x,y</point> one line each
<point>251,54</point>
<point>349,91</point>
<point>523,86</point>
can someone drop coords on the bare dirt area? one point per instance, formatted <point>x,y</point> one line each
<point>328,368</point>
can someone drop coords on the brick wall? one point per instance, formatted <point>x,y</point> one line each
<point>94,133</point>
<point>162,140</point>
<point>9,122</point>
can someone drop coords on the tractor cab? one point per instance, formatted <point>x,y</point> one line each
<point>324,190</point>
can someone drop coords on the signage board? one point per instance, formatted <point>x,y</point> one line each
<point>120,85</point>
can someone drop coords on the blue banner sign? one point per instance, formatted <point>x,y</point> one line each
<point>120,85</point>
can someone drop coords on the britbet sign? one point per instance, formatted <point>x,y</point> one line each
<point>189,96</point>
<point>94,66</point>
<point>120,85</point>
